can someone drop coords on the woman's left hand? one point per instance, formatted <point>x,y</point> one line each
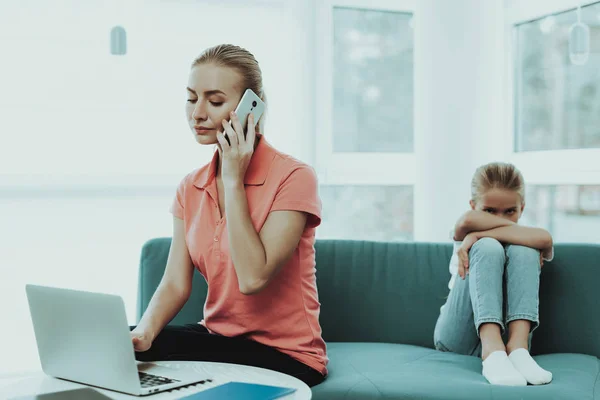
<point>236,155</point>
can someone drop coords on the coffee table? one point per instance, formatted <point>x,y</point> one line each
<point>38,382</point>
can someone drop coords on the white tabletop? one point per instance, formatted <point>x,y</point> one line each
<point>38,382</point>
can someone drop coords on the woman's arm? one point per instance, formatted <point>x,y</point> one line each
<point>257,257</point>
<point>174,288</point>
<point>536,238</point>
<point>477,221</point>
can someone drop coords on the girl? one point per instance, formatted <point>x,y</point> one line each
<point>246,221</point>
<point>495,272</point>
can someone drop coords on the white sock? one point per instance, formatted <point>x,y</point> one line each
<point>527,366</point>
<point>498,370</point>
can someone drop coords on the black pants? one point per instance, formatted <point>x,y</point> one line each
<point>193,342</point>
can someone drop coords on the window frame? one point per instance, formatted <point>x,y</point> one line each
<point>351,168</point>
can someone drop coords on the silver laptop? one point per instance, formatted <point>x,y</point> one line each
<point>84,337</point>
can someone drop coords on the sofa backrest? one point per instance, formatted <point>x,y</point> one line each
<point>392,292</point>
<point>152,267</point>
<point>381,292</point>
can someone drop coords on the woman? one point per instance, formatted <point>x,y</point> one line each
<point>246,221</point>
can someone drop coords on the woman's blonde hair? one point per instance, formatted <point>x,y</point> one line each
<point>497,175</point>
<point>239,59</point>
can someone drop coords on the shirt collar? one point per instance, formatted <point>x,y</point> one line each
<point>257,171</point>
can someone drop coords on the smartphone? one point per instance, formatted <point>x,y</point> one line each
<point>250,103</point>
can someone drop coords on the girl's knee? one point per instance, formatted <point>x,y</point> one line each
<point>523,253</point>
<point>488,247</point>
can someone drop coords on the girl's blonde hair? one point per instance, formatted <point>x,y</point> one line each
<point>241,60</point>
<point>497,175</point>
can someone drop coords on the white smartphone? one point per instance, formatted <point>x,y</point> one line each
<point>250,103</point>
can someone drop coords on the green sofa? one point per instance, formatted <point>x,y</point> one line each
<point>380,302</point>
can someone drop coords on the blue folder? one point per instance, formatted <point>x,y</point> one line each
<point>239,390</point>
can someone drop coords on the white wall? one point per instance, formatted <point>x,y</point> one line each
<point>459,106</point>
<point>70,108</point>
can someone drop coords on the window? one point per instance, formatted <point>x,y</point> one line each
<point>364,110</point>
<point>571,213</point>
<point>383,213</point>
<point>557,104</point>
<point>556,114</point>
<point>372,81</point>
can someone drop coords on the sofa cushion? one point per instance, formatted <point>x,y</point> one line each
<point>394,371</point>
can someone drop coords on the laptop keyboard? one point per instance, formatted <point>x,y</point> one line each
<point>149,380</point>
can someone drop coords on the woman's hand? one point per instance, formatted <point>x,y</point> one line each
<point>463,253</point>
<point>236,154</point>
<point>141,340</point>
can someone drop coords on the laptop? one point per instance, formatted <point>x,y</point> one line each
<point>84,337</point>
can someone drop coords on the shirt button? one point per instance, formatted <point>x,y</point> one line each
<point>216,239</point>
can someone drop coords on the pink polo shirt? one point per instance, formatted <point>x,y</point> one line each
<point>284,315</point>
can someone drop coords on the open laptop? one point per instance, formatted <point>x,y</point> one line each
<point>84,337</point>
